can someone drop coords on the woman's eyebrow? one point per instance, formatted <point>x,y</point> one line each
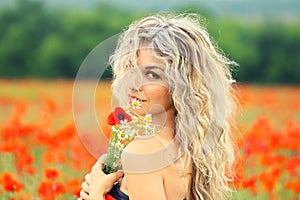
<point>154,67</point>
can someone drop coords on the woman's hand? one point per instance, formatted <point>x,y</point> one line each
<point>97,183</point>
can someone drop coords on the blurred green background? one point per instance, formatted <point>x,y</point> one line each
<point>50,39</point>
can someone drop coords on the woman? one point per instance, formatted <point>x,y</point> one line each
<point>186,83</point>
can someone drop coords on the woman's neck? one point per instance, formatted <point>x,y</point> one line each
<point>167,131</point>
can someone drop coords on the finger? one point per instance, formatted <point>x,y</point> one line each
<point>97,166</point>
<point>102,158</point>
<point>117,175</point>
<point>84,195</point>
<point>120,174</point>
<point>85,187</point>
<point>87,178</point>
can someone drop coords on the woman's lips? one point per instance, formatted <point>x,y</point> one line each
<point>135,97</point>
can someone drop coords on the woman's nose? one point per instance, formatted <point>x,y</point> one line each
<point>135,89</point>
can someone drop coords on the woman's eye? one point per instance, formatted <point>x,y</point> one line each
<point>152,75</point>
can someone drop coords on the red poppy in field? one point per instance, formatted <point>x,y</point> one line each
<point>291,138</point>
<point>269,179</point>
<point>271,160</point>
<point>293,185</point>
<point>77,152</point>
<point>292,165</point>
<point>51,174</point>
<point>24,162</point>
<point>16,147</point>
<point>52,105</point>
<point>74,186</point>
<point>109,197</point>
<point>250,183</point>
<point>54,156</point>
<point>46,190</point>
<point>117,116</point>
<point>9,183</point>
<point>59,188</point>
<point>62,136</point>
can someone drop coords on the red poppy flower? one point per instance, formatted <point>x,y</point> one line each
<point>117,116</point>
<point>9,183</point>
<point>108,197</point>
<point>45,190</point>
<point>49,189</point>
<point>74,186</point>
<point>51,174</point>
<point>60,188</point>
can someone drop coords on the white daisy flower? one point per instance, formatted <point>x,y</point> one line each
<point>140,124</point>
<point>148,118</point>
<point>136,103</point>
<point>125,126</point>
<point>135,119</point>
<point>132,133</point>
<point>149,130</point>
<point>120,145</point>
<point>122,136</point>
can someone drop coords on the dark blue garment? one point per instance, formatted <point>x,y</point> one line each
<point>117,193</point>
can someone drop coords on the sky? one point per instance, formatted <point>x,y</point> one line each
<point>274,9</point>
<point>242,8</point>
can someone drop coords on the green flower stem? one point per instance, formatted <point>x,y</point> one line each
<point>110,157</point>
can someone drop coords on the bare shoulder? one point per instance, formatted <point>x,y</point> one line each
<point>143,145</point>
<point>144,155</point>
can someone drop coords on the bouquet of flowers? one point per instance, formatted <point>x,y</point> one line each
<point>126,125</point>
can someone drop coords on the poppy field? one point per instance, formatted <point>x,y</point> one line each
<point>43,156</point>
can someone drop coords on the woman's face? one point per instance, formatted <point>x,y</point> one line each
<point>150,86</point>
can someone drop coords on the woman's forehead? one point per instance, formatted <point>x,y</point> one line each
<point>146,57</point>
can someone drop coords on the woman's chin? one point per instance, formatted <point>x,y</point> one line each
<point>139,111</point>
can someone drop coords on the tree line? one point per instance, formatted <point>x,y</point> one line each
<point>39,41</point>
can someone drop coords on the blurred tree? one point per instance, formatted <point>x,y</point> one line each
<point>280,49</point>
<point>237,42</point>
<point>53,42</point>
<point>24,27</point>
